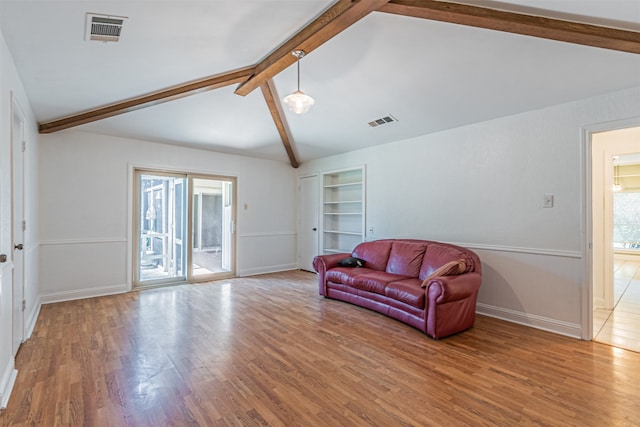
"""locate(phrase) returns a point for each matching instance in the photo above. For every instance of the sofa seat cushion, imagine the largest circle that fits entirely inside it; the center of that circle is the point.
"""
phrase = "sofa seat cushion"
(345, 275)
(408, 291)
(375, 281)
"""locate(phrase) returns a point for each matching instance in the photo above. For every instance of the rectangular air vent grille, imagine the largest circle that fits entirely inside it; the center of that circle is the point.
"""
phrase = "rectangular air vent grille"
(382, 121)
(104, 28)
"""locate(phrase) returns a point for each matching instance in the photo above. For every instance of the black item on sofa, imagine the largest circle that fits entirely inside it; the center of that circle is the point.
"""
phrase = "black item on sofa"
(352, 262)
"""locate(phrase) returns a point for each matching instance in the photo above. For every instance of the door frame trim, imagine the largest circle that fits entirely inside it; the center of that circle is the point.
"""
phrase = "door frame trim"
(132, 202)
(586, 226)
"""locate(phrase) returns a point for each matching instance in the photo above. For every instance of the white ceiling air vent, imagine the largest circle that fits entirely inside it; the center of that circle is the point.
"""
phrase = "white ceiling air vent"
(104, 28)
(382, 121)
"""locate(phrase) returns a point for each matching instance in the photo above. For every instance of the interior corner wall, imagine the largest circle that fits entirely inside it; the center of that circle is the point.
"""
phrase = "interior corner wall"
(86, 209)
(482, 186)
(12, 90)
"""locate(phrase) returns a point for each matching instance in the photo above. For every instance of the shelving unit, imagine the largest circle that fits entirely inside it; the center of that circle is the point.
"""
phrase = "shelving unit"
(343, 210)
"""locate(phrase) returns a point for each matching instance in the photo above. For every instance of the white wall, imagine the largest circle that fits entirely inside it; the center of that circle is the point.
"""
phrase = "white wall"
(86, 209)
(482, 186)
(10, 83)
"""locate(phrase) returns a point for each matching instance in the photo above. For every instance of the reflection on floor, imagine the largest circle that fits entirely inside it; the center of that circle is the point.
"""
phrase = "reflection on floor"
(621, 326)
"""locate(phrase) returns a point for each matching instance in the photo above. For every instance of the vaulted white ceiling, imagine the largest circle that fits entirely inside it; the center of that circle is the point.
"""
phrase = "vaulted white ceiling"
(430, 75)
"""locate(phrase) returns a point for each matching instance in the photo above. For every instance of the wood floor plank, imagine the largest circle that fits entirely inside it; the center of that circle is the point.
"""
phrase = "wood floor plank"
(269, 351)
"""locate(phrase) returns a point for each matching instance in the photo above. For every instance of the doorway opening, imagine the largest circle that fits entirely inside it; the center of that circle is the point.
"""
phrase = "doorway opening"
(615, 233)
(184, 228)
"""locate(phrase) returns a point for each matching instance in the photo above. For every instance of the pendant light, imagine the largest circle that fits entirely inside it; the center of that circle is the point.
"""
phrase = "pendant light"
(298, 102)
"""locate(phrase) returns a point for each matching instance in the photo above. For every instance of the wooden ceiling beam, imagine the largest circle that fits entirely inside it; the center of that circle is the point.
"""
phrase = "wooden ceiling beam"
(275, 108)
(148, 100)
(529, 25)
(333, 21)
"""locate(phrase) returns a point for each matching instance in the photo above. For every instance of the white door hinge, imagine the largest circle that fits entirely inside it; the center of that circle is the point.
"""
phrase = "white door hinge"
(24, 146)
(24, 225)
(24, 305)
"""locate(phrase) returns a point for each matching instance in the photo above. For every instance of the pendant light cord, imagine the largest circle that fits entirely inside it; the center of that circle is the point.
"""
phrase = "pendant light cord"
(298, 61)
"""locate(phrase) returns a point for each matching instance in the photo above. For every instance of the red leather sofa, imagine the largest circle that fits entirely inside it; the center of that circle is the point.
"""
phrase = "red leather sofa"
(392, 278)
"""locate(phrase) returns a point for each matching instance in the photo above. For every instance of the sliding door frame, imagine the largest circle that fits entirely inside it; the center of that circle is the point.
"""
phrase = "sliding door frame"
(136, 282)
(135, 172)
(234, 191)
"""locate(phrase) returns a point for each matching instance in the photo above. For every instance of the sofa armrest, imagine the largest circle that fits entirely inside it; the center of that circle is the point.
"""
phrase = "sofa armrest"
(322, 264)
(444, 289)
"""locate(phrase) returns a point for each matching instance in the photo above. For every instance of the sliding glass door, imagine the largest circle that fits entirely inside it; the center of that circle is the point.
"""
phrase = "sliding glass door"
(184, 228)
(161, 227)
(212, 227)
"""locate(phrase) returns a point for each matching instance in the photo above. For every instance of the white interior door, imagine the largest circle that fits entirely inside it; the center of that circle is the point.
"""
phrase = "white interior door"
(602, 202)
(307, 221)
(17, 144)
(607, 256)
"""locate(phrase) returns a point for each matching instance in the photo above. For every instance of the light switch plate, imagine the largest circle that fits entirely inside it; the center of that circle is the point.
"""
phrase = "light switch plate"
(547, 201)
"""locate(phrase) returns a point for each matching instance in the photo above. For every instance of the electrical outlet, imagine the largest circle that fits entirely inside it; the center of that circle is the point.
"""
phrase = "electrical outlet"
(547, 201)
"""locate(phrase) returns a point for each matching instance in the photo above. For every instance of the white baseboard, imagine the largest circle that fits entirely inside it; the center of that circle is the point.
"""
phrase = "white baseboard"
(6, 383)
(573, 330)
(626, 256)
(83, 293)
(267, 269)
(598, 303)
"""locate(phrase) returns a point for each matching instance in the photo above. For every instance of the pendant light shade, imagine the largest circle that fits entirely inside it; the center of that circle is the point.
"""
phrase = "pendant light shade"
(298, 101)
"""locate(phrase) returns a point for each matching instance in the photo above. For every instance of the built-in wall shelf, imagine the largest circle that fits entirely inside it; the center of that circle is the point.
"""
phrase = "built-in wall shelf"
(349, 233)
(343, 210)
(336, 251)
(355, 184)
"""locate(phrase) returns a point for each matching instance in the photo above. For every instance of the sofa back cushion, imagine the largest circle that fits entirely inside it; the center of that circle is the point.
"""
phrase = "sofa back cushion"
(406, 258)
(376, 253)
(438, 254)
(413, 258)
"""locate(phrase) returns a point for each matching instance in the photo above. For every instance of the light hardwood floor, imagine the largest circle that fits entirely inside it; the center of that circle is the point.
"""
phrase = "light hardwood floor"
(268, 350)
(621, 326)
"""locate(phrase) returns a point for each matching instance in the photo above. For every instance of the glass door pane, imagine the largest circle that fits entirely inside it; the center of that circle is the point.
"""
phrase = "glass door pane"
(161, 228)
(212, 228)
